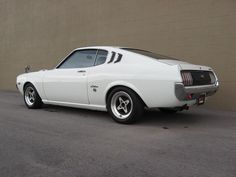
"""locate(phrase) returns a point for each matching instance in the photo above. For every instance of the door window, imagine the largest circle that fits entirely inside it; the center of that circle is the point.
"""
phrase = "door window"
(80, 59)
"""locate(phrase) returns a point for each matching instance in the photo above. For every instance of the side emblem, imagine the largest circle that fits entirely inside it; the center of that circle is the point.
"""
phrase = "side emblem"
(94, 87)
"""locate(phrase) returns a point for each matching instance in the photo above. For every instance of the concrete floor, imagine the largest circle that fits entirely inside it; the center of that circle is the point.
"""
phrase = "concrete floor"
(67, 142)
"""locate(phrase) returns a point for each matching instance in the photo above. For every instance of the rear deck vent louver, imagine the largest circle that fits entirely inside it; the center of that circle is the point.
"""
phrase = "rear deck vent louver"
(118, 58)
(112, 57)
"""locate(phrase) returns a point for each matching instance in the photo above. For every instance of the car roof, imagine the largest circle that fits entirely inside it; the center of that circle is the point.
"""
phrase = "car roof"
(99, 47)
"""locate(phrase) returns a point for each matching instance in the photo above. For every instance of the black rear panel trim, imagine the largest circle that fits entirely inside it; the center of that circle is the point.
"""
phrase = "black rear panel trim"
(200, 77)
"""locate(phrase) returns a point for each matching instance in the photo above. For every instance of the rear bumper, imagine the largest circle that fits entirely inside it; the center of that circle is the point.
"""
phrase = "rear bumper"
(193, 92)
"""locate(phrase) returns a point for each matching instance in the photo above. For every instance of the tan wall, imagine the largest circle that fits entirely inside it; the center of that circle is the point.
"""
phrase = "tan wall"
(42, 32)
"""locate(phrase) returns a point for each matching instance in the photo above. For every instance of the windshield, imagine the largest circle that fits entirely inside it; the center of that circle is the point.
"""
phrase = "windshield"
(149, 54)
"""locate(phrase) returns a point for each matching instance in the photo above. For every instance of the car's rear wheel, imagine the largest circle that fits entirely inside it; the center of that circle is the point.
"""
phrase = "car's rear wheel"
(31, 97)
(124, 105)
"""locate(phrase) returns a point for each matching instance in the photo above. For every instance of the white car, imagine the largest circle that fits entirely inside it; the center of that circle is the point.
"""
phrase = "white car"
(122, 81)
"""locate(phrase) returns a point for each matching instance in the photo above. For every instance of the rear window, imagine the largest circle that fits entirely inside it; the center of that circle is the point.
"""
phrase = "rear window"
(149, 54)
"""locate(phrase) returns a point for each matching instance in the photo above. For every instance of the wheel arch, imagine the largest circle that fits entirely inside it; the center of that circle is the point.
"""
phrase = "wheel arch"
(27, 82)
(129, 86)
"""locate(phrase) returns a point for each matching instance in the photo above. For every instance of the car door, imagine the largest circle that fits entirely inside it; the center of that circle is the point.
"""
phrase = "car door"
(98, 78)
(68, 81)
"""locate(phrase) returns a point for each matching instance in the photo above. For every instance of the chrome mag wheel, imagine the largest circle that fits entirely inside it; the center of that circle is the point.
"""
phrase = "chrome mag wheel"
(30, 96)
(121, 105)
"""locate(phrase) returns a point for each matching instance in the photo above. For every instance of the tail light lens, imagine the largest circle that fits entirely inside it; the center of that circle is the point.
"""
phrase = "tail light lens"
(212, 76)
(187, 78)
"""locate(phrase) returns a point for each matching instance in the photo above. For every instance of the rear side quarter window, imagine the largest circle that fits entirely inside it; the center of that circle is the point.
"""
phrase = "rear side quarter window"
(101, 57)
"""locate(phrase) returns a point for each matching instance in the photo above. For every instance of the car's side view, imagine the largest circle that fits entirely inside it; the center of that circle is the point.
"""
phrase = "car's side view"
(122, 81)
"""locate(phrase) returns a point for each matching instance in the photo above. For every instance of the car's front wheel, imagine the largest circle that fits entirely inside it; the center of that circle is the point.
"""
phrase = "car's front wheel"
(124, 105)
(31, 97)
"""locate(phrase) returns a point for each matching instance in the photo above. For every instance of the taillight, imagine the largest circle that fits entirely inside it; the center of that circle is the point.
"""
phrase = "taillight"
(187, 78)
(212, 76)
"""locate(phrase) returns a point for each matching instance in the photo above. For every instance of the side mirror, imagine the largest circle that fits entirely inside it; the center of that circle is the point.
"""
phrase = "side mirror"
(27, 69)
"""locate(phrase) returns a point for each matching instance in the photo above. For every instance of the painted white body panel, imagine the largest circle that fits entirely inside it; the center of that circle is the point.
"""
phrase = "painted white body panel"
(153, 80)
(65, 85)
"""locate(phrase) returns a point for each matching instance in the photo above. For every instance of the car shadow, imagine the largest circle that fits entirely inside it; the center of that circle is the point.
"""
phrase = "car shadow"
(75, 111)
(149, 118)
(183, 118)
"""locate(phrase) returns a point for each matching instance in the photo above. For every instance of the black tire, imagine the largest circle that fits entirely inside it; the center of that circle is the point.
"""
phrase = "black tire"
(114, 105)
(33, 100)
(169, 110)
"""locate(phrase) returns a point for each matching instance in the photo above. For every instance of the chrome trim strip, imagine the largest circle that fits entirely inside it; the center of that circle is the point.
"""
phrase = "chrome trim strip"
(76, 105)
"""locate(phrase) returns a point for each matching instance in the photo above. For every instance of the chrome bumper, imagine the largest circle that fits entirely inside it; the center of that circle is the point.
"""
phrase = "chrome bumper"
(193, 92)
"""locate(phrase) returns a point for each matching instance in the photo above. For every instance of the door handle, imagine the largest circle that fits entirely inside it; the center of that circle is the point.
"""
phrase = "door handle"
(81, 71)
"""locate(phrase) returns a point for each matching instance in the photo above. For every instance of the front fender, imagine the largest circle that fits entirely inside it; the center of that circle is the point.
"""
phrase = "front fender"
(35, 78)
